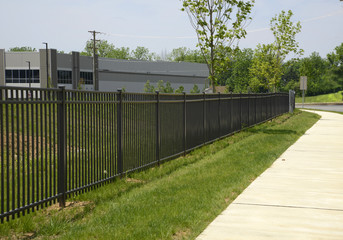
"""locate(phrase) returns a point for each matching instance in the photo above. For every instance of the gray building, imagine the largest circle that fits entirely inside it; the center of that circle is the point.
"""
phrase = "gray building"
(76, 72)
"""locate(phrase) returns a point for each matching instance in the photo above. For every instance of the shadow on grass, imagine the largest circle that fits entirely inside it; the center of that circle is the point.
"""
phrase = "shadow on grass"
(272, 131)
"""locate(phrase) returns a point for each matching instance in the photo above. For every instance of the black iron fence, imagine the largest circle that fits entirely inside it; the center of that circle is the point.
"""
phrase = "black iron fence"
(55, 142)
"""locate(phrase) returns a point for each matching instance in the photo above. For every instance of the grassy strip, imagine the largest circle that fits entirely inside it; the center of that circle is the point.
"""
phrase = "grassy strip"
(319, 110)
(174, 201)
(326, 98)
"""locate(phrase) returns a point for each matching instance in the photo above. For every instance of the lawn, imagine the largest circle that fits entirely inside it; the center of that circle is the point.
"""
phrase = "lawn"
(174, 201)
(326, 98)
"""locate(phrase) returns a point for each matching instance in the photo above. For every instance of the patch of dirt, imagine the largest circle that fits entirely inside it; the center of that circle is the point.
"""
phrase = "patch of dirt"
(14, 140)
(181, 234)
(69, 205)
(233, 195)
(133, 180)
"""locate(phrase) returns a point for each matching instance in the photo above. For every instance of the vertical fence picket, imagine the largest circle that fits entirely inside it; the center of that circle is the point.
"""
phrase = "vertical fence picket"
(61, 135)
(158, 137)
(120, 132)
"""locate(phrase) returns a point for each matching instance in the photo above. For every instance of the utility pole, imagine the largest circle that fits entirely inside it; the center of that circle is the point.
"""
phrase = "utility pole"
(95, 61)
(47, 64)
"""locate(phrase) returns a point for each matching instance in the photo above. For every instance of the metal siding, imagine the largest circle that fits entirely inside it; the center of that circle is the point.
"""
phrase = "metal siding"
(2, 67)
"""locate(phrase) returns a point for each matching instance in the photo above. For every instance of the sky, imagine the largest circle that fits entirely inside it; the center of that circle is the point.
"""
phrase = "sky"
(159, 25)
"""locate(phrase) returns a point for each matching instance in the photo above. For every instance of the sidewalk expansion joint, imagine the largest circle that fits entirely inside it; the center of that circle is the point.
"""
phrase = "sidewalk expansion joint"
(289, 206)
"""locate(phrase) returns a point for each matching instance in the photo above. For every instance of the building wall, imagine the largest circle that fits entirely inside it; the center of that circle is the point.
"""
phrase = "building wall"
(2, 67)
(113, 73)
(19, 60)
(134, 82)
(132, 75)
(16, 60)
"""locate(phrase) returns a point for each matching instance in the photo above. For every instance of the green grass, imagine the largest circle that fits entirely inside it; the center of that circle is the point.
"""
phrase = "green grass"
(174, 201)
(310, 109)
(326, 98)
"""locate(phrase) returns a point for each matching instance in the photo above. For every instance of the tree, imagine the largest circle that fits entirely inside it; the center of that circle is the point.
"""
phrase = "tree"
(265, 70)
(270, 72)
(106, 50)
(23, 49)
(143, 53)
(218, 24)
(168, 88)
(319, 79)
(237, 78)
(148, 88)
(195, 89)
(181, 89)
(336, 64)
(291, 76)
(183, 54)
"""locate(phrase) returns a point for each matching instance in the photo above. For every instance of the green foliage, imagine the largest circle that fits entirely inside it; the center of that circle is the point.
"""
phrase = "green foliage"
(323, 74)
(336, 64)
(184, 54)
(143, 53)
(321, 77)
(23, 49)
(148, 88)
(237, 78)
(106, 50)
(218, 24)
(181, 89)
(80, 84)
(168, 88)
(267, 68)
(284, 31)
(195, 89)
(160, 86)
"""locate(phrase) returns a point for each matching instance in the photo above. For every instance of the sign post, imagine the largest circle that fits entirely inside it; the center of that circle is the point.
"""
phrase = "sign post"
(303, 86)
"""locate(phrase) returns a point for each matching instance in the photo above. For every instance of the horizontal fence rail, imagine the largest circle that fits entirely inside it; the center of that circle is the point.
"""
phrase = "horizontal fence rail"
(56, 143)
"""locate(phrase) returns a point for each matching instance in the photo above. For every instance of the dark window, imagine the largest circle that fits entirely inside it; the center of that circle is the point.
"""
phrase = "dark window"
(36, 74)
(22, 76)
(64, 77)
(15, 73)
(8, 76)
(86, 78)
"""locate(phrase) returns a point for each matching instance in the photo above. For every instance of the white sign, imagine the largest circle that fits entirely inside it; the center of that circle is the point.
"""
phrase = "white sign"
(303, 83)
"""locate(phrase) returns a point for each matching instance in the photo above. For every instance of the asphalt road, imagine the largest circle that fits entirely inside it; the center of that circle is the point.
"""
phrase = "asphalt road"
(336, 108)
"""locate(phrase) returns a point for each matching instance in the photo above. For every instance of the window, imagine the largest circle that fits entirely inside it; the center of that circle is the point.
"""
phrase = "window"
(64, 77)
(86, 78)
(8, 76)
(21, 76)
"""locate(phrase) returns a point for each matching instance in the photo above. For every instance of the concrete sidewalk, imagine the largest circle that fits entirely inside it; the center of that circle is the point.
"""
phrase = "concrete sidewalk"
(299, 197)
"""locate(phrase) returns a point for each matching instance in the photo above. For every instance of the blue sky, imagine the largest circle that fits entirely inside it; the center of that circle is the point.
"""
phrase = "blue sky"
(156, 24)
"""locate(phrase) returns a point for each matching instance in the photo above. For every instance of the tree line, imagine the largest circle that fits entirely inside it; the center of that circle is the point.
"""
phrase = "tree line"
(325, 74)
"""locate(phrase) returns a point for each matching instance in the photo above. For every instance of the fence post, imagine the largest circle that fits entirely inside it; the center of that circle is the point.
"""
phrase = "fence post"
(255, 97)
(184, 125)
(204, 116)
(231, 111)
(61, 136)
(219, 114)
(120, 132)
(158, 138)
(240, 110)
(249, 109)
(291, 96)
